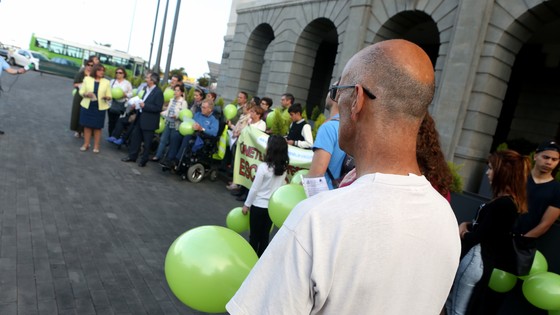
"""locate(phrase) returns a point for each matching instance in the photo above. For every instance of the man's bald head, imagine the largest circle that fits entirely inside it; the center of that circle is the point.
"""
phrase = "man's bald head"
(398, 72)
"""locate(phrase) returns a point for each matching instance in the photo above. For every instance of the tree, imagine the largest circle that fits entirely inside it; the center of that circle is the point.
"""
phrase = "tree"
(202, 81)
(181, 71)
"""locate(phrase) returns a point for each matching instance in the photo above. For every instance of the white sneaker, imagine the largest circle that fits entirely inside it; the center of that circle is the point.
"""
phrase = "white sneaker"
(232, 186)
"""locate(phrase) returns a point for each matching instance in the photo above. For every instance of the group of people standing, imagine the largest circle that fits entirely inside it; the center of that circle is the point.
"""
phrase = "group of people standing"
(386, 213)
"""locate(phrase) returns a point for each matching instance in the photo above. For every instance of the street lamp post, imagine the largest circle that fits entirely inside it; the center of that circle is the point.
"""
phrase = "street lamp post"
(153, 35)
(160, 47)
(171, 42)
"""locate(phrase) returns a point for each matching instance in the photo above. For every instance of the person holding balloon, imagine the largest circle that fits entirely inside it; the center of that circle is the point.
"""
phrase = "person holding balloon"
(270, 175)
(171, 116)
(203, 122)
(121, 91)
(96, 92)
(487, 241)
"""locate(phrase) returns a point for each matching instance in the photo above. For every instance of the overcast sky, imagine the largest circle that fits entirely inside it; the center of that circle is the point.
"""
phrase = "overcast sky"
(199, 37)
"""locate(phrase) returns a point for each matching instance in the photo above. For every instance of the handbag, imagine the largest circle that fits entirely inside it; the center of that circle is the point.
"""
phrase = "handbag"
(117, 108)
(524, 250)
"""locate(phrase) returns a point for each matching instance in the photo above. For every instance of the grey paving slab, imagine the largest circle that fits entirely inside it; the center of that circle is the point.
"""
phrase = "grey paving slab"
(84, 233)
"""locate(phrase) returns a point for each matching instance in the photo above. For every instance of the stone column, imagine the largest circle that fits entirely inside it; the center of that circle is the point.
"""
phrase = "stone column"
(354, 37)
(455, 87)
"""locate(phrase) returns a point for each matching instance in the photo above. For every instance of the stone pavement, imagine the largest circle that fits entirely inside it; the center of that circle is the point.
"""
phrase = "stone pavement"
(84, 233)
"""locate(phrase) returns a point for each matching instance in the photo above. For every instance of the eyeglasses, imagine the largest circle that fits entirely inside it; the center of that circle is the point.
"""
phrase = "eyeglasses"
(334, 88)
(89, 65)
(120, 72)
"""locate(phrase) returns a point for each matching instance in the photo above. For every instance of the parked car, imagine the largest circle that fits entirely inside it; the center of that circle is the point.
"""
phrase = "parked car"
(40, 57)
(22, 57)
(60, 66)
(4, 51)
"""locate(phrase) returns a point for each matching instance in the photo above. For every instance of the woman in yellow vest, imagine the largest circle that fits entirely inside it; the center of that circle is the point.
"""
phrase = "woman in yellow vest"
(96, 91)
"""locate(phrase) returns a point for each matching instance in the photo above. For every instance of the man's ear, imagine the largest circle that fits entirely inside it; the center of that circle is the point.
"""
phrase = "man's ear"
(359, 101)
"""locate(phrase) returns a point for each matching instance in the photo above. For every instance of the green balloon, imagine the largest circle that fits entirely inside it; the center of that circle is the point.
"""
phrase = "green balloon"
(186, 127)
(134, 92)
(554, 312)
(237, 221)
(161, 125)
(141, 94)
(298, 177)
(539, 265)
(74, 91)
(501, 281)
(283, 200)
(205, 266)
(270, 119)
(230, 111)
(168, 95)
(117, 93)
(184, 114)
(543, 290)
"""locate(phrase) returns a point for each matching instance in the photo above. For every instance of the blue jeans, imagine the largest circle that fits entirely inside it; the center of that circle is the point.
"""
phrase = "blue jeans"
(164, 140)
(175, 139)
(468, 274)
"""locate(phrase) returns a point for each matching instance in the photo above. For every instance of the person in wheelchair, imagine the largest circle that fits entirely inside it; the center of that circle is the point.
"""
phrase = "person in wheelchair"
(206, 125)
(123, 127)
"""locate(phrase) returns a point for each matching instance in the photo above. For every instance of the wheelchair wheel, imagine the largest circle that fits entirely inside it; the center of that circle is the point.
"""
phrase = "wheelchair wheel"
(195, 173)
(213, 175)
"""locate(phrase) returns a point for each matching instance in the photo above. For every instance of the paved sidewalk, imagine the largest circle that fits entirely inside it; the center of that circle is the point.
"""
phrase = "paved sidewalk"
(84, 233)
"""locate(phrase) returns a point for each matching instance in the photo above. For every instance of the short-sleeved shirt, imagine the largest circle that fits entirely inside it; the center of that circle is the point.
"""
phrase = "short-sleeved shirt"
(539, 198)
(327, 140)
(3, 65)
(348, 251)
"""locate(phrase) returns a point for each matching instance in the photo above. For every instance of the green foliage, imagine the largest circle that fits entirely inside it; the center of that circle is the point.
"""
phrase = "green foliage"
(203, 81)
(190, 96)
(136, 81)
(280, 123)
(457, 185)
(315, 113)
(318, 122)
(219, 102)
(181, 71)
(502, 147)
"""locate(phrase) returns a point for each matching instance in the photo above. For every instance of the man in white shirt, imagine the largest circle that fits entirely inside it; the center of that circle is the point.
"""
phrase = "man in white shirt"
(299, 134)
(388, 243)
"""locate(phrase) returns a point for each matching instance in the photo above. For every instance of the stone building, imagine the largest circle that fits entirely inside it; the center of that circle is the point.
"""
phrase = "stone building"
(496, 61)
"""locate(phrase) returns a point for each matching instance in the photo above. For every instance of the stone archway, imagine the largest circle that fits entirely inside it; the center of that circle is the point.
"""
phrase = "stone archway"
(531, 107)
(415, 26)
(313, 62)
(510, 27)
(252, 77)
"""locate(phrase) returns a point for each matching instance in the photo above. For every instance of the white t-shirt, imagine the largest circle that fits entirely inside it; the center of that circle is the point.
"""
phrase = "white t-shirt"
(264, 184)
(387, 244)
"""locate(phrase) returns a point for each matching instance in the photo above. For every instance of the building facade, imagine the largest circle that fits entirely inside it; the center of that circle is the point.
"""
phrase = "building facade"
(496, 62)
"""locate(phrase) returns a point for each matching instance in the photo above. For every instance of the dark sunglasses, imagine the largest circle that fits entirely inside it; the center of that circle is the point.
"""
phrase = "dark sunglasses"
(334, 88)
(120, 72)
(89, 65)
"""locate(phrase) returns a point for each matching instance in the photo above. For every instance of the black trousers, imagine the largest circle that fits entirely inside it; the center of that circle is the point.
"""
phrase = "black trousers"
(136, 138)
(113, 118)
(259, 224)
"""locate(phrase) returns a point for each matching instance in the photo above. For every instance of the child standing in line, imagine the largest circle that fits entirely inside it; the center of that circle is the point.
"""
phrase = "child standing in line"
(271, 174)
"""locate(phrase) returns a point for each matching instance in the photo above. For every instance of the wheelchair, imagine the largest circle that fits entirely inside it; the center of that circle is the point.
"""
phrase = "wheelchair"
(194, 166)
(199, 164)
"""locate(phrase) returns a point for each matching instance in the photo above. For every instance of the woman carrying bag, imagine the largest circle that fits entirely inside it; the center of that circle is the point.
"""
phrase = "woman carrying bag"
(118, 105)
(487, 241)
